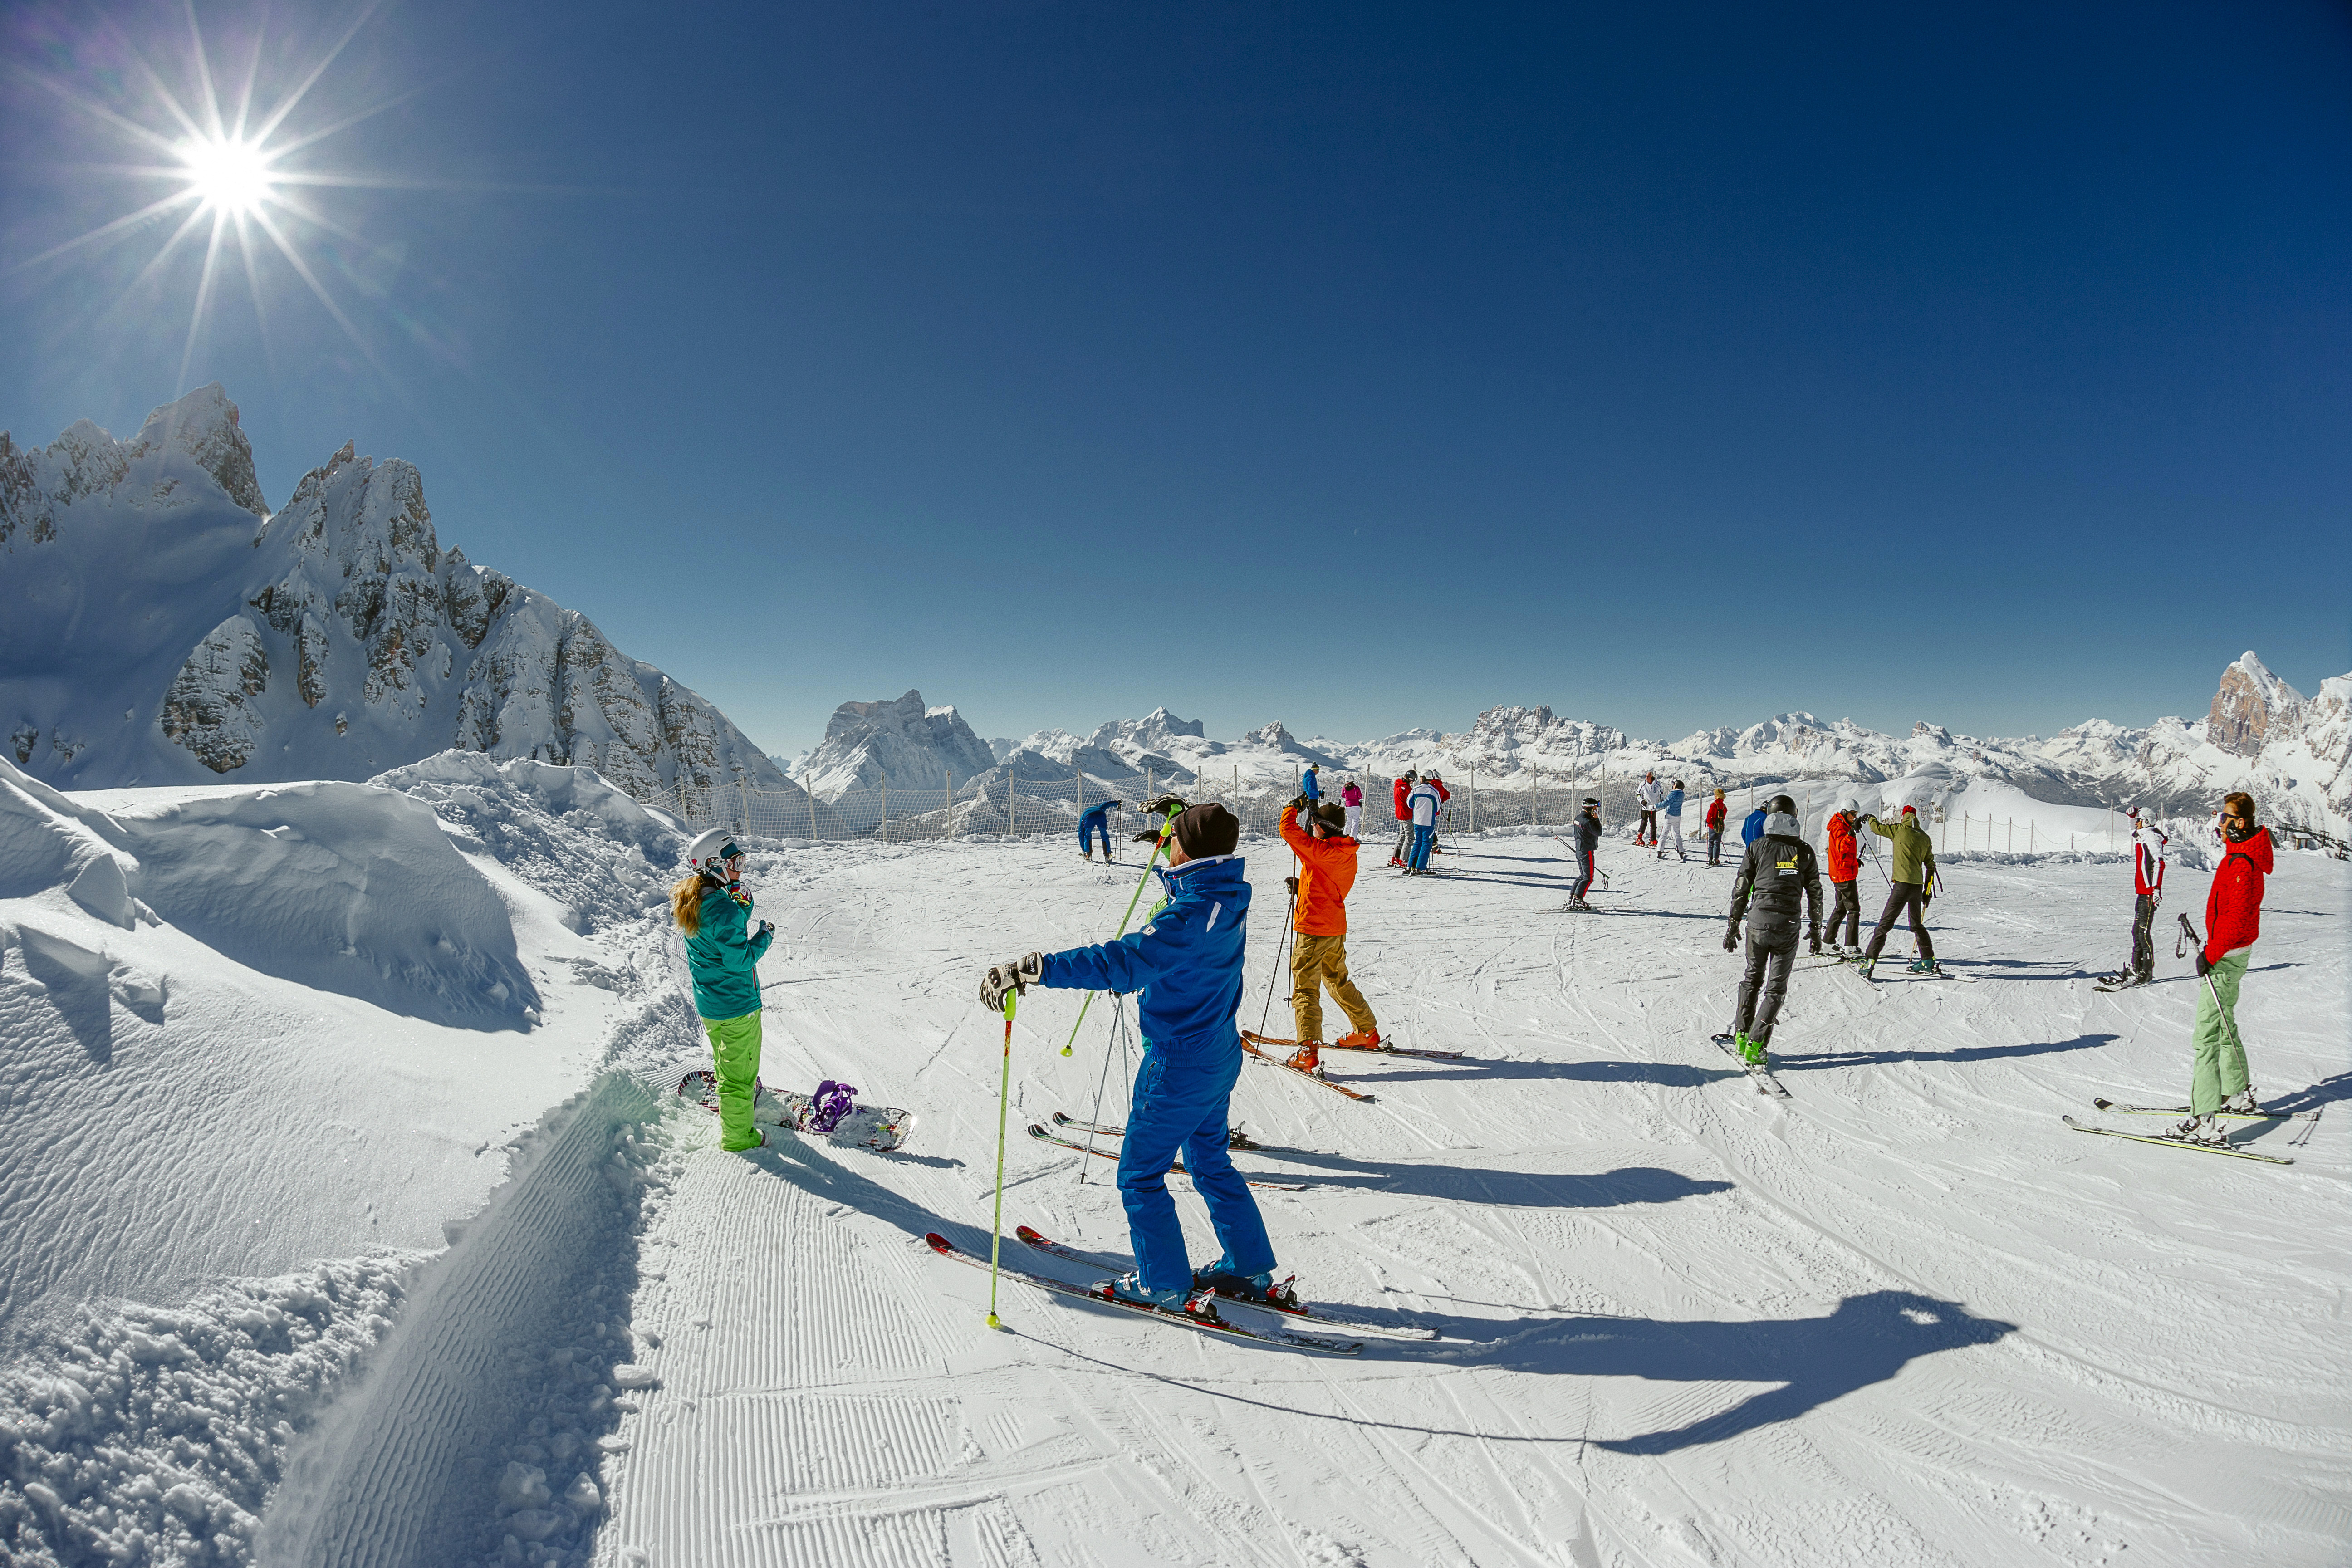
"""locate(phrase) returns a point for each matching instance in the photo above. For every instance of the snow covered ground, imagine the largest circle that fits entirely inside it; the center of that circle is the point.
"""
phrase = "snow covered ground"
(1904, 1318)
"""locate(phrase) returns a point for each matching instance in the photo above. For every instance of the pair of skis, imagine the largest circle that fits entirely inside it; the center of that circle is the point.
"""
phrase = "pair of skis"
(1758, 1074)
(2310, 1120)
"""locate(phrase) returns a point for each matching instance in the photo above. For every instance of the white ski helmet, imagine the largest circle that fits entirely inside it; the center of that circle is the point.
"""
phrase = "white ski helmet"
(710, 853)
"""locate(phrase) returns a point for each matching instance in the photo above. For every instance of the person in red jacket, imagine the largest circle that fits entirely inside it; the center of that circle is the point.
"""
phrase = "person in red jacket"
(2233, 919)
(1845, 858)
(1404, 817)
(1717, 813)
(1327, 869)
(2148, 845)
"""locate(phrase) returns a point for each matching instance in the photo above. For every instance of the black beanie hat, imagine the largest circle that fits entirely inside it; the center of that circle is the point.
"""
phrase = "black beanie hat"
(1334, 819)
(1207, 830)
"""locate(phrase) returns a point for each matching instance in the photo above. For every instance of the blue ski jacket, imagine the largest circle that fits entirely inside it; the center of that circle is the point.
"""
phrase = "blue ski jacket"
(724, 957)
(1753, 828)
(1095, 816)
(1310, 784)
(1186, 963)
(1673, 805)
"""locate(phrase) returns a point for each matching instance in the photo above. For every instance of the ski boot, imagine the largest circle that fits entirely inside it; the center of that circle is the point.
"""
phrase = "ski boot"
(1128, 1288)
(1863, 966)
(1750, 1051)
(2242, 1103)
(1237, 1138)
(1924, 966)
(1221, 1278)
(1359, 1040)
(1308, 1059)
(2205, 1130)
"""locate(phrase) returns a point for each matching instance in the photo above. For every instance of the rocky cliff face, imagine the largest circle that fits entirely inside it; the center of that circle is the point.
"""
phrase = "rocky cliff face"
(903, 742)
(157, 623)
(2252, 707)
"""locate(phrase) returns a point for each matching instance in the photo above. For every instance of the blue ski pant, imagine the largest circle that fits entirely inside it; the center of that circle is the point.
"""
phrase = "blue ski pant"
(1087, 829)
(1182, 1095)
(1421, 840)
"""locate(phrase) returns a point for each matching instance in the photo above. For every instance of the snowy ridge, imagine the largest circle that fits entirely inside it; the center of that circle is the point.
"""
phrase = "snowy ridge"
(244, 1028)
(157, 625)
(905, 742)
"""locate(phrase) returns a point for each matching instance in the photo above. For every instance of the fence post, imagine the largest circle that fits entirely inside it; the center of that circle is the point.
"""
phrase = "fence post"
(743, 805)
(885, 809)
(1012, 807)
(812, 805)
(1474, 800)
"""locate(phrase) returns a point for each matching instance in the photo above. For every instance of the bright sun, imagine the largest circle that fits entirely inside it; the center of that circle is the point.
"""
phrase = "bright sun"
(227, 175)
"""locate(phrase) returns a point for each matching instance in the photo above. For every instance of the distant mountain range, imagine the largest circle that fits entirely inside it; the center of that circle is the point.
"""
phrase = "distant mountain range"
(159, 624)
(2293, 753)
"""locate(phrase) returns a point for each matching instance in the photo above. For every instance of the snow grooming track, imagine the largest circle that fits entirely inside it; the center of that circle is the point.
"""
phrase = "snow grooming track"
(480, 1416)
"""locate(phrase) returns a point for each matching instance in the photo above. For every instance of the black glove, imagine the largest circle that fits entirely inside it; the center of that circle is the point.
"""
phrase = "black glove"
(1731, 938)
(1292, 883)
(1813, 935)
(1015, 977)
(1165, 805)
(1149, 836)
(2204, 965)
(1299, 802)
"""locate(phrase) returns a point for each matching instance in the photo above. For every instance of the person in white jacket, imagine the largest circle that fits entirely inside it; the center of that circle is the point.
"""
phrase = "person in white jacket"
(1650, 793)
(1421, 801)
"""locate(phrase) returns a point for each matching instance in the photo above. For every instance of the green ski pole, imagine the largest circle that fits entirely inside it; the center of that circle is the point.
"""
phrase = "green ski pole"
(1003, 1100)
(1159, 844)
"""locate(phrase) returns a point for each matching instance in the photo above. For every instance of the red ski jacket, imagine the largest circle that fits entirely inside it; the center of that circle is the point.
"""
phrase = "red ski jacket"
(2147, 865)
(1443, 795)
(1715, 816)
(2233, 909)
(1401, 814)
(1844, 855)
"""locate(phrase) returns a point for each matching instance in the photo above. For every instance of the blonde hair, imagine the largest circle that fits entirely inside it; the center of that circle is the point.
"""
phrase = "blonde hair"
(686, 903)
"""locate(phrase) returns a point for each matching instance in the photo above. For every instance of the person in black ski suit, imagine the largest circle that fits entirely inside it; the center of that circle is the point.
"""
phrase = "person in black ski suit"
(1584, 837)
(1778, 875)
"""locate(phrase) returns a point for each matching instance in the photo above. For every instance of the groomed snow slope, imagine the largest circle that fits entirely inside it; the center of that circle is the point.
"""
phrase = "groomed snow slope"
(1904, 1318)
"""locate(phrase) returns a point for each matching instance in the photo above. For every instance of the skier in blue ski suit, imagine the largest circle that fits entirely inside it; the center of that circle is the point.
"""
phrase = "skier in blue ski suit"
(1753, 828)
(1310, 784)
(1186, 965)
(1095, 819)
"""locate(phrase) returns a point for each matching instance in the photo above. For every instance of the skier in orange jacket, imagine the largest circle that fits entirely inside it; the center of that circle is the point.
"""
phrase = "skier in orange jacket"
(1327, 870)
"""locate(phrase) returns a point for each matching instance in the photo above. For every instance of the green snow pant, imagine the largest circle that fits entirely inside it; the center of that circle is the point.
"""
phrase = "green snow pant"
(2220, 1069)
(735, 1062)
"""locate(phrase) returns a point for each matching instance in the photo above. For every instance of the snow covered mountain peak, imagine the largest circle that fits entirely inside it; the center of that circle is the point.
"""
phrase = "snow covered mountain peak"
(151, 631)
(2250, 706)
(901, 742)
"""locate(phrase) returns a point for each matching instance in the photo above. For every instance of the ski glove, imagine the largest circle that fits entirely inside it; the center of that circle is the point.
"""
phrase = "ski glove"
(767, 927)
(2204, 965)
(1166, 804)
(1731, 938)
(1299, 802)
(1292, 883)
(1015, 977)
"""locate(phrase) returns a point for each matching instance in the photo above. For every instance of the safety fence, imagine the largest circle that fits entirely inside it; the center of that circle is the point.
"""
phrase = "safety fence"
(995, 807)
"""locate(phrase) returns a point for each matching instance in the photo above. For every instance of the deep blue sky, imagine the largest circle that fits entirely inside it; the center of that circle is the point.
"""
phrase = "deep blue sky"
(1357, 366)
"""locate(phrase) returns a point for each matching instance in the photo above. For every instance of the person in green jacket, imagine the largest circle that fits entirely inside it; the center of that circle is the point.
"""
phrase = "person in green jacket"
(1915, 869)
(722, 953)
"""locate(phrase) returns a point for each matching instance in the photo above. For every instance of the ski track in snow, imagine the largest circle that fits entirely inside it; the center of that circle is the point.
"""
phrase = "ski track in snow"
(1905, 1317)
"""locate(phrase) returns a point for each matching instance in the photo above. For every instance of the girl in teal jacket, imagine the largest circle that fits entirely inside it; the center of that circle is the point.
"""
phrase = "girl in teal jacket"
(722, 953)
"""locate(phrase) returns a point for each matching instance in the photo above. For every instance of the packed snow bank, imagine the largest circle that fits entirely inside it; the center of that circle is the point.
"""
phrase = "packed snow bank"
(283, 1042)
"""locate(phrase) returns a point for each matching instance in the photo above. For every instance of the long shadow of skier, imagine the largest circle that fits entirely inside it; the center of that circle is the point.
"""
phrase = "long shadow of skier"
(1662, 1075)
(1801, 1062)
(1817, 1360)
(1515, 1189)
(1866, 1340)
